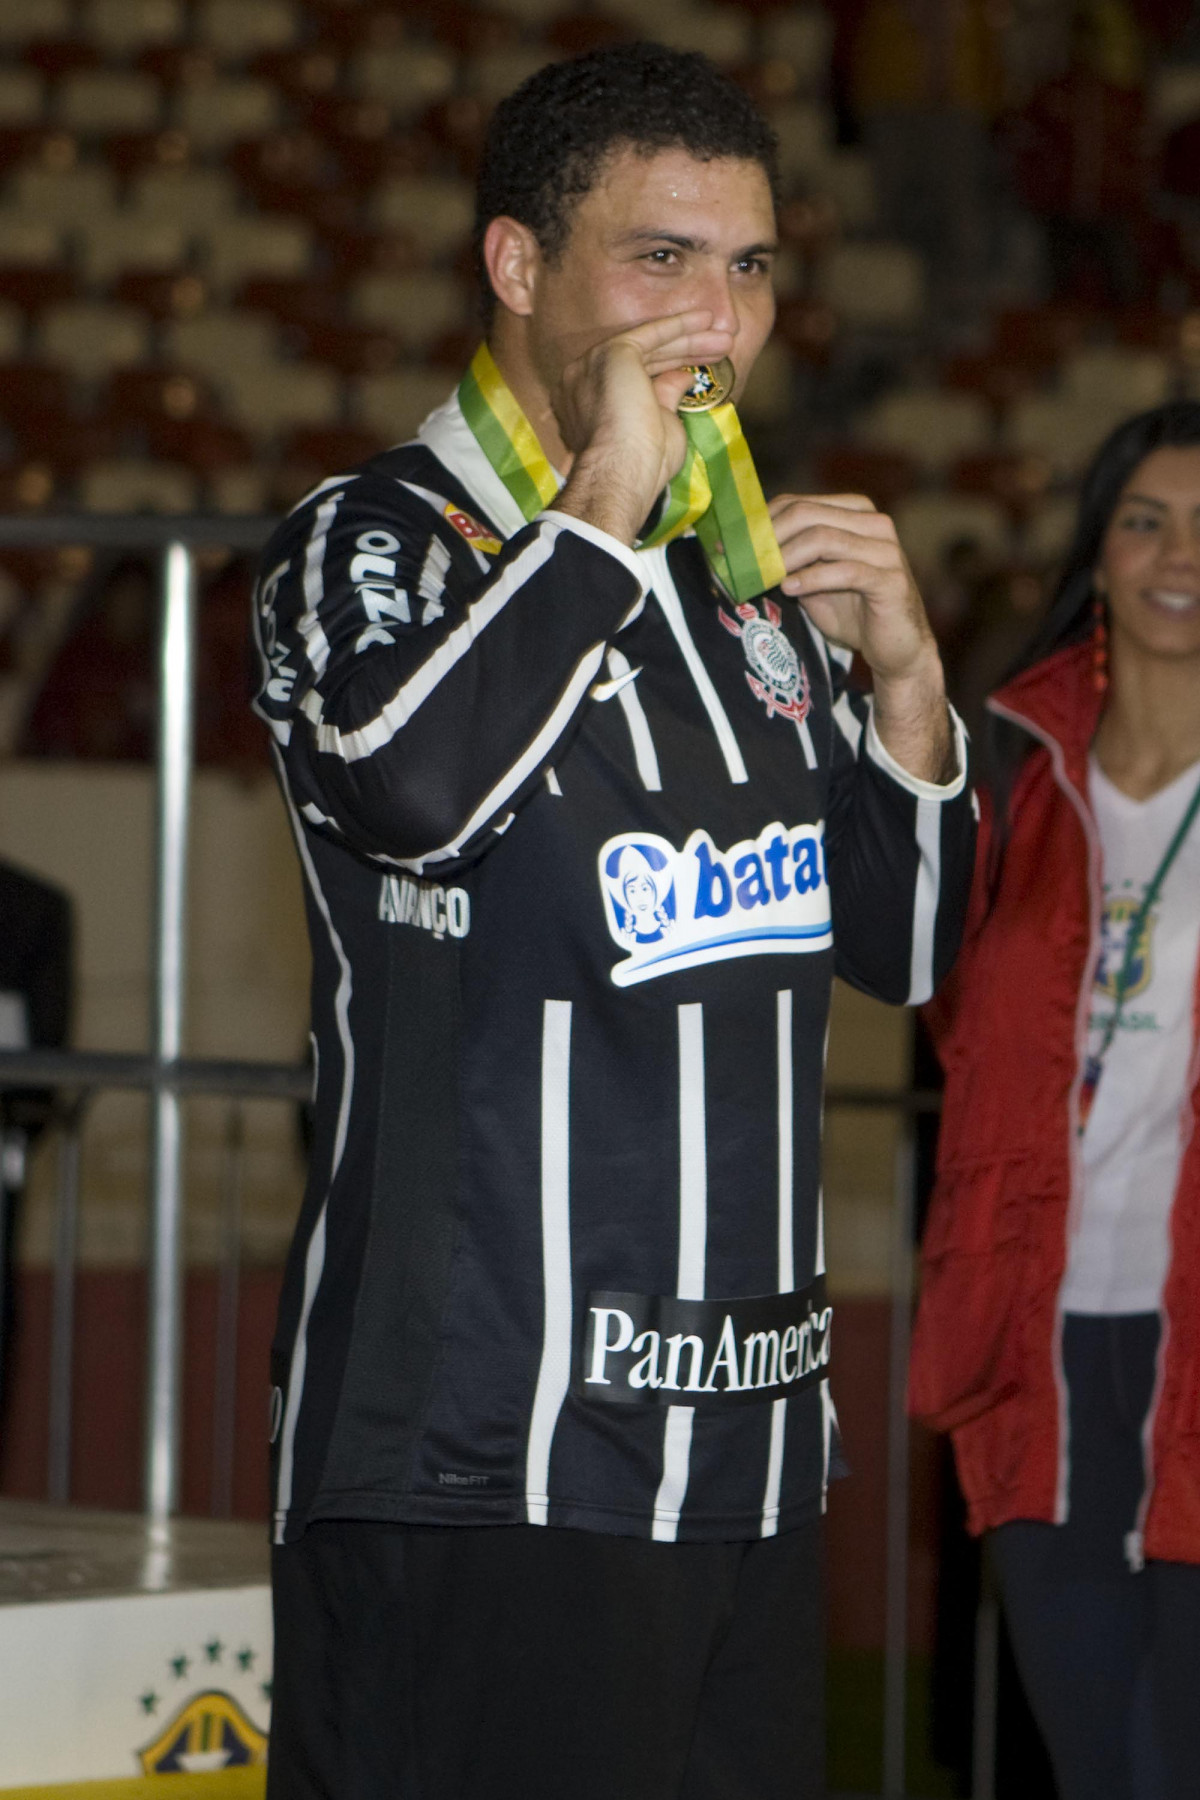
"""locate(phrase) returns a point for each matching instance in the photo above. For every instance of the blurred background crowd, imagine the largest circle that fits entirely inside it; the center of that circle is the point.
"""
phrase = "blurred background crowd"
(234, 254)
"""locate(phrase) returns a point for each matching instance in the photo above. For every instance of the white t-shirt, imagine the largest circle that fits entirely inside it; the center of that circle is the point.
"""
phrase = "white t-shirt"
(1133, 1141)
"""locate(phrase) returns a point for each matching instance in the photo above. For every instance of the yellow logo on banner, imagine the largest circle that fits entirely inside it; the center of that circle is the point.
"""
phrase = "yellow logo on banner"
(210, 1732)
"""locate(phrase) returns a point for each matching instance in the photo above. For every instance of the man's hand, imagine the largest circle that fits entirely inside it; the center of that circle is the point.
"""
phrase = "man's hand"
(846, 568)
(616, 408)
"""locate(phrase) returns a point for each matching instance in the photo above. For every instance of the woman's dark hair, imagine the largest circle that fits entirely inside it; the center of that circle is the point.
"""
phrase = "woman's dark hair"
(547, 142)
(1069, 617)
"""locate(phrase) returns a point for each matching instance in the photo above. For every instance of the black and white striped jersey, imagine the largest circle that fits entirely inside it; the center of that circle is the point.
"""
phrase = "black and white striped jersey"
(584, 843)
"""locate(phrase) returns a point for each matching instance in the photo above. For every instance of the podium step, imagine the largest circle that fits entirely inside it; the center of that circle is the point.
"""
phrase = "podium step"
(129, 1651)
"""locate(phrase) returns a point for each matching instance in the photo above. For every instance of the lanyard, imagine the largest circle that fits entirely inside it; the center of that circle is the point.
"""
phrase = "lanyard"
(1094, 1066)
(716, 492)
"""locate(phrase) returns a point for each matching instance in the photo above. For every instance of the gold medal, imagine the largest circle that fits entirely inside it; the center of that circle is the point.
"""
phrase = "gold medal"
(713, 383)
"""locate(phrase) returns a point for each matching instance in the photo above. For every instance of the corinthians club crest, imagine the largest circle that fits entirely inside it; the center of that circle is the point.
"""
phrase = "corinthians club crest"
(776, 675)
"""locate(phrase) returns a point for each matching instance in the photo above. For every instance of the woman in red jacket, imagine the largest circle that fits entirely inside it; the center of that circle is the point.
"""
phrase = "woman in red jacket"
(1058, 1333)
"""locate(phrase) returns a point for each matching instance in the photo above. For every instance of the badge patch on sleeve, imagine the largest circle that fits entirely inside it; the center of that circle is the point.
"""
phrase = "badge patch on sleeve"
(477, 535)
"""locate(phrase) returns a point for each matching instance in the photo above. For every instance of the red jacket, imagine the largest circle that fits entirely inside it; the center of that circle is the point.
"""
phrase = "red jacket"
(1010, 1027)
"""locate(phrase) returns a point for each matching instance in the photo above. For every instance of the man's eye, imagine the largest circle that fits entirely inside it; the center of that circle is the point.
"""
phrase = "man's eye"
(1140, 522)
(662, 256)
(753, 265)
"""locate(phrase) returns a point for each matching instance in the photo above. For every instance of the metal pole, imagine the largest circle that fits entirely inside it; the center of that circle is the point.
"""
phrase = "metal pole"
(62, 1327)
(896, 1616)
(225, 1382)
(161, 1480)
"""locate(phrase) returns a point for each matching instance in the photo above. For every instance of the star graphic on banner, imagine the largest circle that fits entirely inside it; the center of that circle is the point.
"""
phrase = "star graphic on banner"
(265, 1689)
(148, 1701)
(213, 1650)
(180, 1666)
(246, 1658)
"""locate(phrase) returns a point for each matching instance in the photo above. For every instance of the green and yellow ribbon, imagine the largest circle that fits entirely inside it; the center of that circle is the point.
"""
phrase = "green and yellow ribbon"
(716, 493)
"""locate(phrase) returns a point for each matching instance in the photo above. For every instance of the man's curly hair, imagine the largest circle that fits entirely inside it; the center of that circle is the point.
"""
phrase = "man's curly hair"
(548, 141)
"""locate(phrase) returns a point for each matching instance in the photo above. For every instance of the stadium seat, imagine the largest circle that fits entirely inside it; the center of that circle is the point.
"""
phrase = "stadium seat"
(494, 74)
(213, 343)
(127, 485)
(190, 197)
(458, 126)
(12, 331)
(29, 242)
(205, 445)
(300, 72)
(91, 338)
(1038, 335)
(97, 101)
(874, 286)
(120, 27)
(1015, 482)
(394, 405)
(33, 286)
(932, 426)
(770, 392)
(129, 153)
(1131, 380)
(1063, 430)
(329, 449)
(27, 20)
(22, 95)
(350, 349)
(237, 28)
(847, 179)
(574, 34)
(722, 33)
(805, 132)
(56, 57)
(928, 524)
(217, 114)
(803, 37)
(406, 79)
(245, 488)
(31, 391)
(67, 441)
(435, 213)
(265, 399)
(236, 249)
(291, 171)
(882, 475)
(110, 246)
(999, 379)
(418, 307)
(808, 327)
(64, 197)
(171, 296)
(1050, 529)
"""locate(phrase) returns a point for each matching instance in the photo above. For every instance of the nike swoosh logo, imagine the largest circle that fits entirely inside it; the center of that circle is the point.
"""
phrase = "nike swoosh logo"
(604, 690)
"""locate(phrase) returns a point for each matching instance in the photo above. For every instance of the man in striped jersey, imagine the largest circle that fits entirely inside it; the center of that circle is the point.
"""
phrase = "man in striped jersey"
(589, 817)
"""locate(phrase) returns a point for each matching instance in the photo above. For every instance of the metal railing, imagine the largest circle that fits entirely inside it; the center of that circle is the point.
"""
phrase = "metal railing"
(168, 1078)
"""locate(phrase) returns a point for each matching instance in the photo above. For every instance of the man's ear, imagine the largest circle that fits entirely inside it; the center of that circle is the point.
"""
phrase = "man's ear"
(514, 260)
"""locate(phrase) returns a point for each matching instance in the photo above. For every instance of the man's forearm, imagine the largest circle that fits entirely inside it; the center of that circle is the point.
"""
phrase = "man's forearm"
(913, 721)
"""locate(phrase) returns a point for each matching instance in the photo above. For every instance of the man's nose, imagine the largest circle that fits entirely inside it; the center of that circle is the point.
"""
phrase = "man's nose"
(715, 293)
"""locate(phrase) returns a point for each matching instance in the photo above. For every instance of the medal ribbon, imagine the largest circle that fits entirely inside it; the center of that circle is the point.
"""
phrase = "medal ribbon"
(1093, 1068)
(716, 492)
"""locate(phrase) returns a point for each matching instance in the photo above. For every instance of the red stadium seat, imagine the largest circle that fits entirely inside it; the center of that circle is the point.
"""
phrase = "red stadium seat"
(1019, 483)
(206, 445)
(149, 394)
(576, 33)
(30, 392)
(170, 296)
(58, 56)
(32, 288)
(300, 72)
(284, 173)
(1000, 379)
(1038, 335)
(131, 152)
(351, 349)
(324, 450)
(882, 475)
(808, 327)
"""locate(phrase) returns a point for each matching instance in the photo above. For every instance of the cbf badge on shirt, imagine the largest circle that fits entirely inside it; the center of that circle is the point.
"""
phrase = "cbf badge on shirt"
(674, 909)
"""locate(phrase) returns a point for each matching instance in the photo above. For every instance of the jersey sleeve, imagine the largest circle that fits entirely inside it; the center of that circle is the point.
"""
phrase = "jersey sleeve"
(417, 688)
(900, 854)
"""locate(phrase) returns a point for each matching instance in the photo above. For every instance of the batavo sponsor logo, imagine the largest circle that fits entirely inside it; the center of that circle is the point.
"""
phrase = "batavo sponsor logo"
(652, 1349)
(425, 904)
(675, 909)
